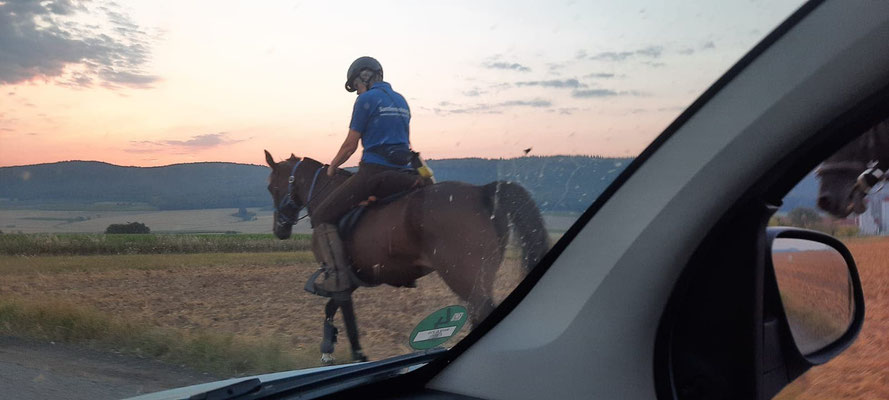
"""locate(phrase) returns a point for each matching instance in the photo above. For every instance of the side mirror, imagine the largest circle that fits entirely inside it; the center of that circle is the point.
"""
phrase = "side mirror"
(813, 303)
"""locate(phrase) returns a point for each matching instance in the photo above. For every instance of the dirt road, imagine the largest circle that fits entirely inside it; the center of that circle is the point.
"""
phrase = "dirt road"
(40, 370)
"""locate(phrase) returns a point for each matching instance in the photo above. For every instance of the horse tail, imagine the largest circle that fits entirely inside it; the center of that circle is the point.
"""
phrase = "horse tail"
(511, 206)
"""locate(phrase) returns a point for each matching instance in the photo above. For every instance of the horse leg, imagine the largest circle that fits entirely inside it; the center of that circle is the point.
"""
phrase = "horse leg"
(472, 279)
(352, 328)
(328, 341)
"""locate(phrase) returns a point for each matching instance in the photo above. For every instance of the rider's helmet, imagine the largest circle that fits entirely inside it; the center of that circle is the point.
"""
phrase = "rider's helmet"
(361, 64)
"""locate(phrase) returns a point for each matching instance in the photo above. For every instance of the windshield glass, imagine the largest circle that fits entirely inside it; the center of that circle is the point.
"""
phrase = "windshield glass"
(166, 195)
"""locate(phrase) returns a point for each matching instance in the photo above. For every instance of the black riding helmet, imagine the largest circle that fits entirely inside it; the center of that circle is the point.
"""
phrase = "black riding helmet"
(361, 64)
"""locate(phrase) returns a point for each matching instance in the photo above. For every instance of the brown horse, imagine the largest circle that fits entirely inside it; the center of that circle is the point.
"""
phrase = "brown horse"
(458, 230)
(848, 175)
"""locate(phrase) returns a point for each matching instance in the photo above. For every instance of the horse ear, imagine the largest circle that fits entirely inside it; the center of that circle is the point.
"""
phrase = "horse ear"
(269, 159)
(293, 157)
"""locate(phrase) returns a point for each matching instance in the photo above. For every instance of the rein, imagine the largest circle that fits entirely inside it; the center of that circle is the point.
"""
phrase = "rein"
(288, 203)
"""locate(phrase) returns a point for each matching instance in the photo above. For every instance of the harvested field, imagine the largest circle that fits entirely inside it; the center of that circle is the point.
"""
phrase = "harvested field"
(259, 295)
(860, 372)
(262, 299)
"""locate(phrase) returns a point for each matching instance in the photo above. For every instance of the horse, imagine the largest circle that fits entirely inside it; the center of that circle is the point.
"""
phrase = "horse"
(457, 230)
(848, 175)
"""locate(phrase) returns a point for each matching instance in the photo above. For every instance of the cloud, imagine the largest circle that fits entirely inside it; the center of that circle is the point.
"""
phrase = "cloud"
(599, 75)
(687, 51)
(44, 40)
(198, 142)
(599, 93)
(555, 83)
(648, 52)
(201, 141)
(565, 110)
(593, 93)
(529, 103)
(506, 65)
(488, 108)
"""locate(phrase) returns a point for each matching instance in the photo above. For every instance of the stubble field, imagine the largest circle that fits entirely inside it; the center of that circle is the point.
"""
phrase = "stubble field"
(254, 297)
(859, 372)
(258, 297)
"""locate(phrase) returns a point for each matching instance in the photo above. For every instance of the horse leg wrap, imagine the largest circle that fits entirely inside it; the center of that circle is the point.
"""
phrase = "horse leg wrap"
(329, 341)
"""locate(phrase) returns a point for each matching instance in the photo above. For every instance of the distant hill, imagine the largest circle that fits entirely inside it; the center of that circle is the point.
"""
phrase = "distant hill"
(180, 186)
(558, 183)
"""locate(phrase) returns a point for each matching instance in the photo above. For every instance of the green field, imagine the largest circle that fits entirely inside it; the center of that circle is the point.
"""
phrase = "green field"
(221, 220)
(85, 244)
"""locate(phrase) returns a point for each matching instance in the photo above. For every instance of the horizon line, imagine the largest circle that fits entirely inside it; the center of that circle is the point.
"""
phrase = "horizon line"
(351, 166)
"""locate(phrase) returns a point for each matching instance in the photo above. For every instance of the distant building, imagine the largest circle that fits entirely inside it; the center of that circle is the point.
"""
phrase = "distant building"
(871, 222)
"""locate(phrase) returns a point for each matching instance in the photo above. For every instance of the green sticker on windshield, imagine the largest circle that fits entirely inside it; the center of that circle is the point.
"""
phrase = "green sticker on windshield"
(438, 327)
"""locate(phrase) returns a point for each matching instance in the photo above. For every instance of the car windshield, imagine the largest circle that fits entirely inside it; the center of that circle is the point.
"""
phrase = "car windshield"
(167, 208)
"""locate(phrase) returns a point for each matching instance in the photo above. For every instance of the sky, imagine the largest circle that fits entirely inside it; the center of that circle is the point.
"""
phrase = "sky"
(159, 82)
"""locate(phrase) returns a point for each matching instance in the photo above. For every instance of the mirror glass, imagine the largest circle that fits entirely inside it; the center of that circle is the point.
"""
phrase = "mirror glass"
(816, 291)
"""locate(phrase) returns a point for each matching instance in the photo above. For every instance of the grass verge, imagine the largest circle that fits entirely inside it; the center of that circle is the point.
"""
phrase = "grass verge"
(217, 353)
(89, 244)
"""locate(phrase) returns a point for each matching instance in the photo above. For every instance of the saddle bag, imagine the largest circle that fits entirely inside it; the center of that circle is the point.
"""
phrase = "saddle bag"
(396, 154)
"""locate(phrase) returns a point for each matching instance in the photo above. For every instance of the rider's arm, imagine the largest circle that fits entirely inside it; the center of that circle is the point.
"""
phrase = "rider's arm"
(346, 150)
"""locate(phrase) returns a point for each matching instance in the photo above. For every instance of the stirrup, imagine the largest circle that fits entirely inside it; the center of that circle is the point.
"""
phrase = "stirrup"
(314, 289)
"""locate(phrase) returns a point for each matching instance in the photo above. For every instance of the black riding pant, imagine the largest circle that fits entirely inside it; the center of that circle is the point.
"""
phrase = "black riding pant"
(371, 180)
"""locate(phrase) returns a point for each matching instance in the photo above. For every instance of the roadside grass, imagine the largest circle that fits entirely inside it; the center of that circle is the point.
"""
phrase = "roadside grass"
(205, 351)
(85, 244)
(18, 265)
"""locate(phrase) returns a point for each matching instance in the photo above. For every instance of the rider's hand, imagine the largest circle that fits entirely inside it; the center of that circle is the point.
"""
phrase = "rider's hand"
(331, 171)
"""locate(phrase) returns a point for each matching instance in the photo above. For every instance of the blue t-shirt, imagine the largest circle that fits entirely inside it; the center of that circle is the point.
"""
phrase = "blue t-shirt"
(382, 117)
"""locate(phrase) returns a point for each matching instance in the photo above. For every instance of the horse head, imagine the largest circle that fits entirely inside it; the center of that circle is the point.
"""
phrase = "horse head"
(285, 194)
(847, 176)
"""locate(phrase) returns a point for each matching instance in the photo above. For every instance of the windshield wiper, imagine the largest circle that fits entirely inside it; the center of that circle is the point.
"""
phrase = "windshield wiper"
(322, 383)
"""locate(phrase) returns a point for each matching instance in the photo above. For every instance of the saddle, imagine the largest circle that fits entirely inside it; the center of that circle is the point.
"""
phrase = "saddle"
(347, 223)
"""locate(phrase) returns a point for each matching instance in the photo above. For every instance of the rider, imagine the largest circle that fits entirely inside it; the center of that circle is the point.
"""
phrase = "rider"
(380, 121)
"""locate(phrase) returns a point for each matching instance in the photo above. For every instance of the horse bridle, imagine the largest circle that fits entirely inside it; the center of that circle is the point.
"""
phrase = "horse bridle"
(871, 176)
(288, 204)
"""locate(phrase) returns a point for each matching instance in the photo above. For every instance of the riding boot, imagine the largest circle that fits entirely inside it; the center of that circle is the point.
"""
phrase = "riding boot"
(331, 252)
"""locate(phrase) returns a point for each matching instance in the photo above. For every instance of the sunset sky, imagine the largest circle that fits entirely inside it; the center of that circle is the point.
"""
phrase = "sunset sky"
(157, 82)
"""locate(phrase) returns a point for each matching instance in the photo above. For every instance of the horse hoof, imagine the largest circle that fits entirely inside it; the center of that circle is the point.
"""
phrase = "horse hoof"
(327, 358)
(359, 356)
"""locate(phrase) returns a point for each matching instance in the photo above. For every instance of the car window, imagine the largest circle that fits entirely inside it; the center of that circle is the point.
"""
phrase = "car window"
(844, 197)
(165, 199)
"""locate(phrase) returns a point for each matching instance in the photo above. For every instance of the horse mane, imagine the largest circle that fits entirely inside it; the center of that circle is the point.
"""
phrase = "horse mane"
(317, 164)
(872, 145)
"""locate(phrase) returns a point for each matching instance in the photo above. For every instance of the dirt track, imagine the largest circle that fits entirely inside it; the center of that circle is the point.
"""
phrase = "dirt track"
(39, 370)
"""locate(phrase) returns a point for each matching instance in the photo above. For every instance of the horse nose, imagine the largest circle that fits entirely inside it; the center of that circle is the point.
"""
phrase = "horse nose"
(825, 203)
